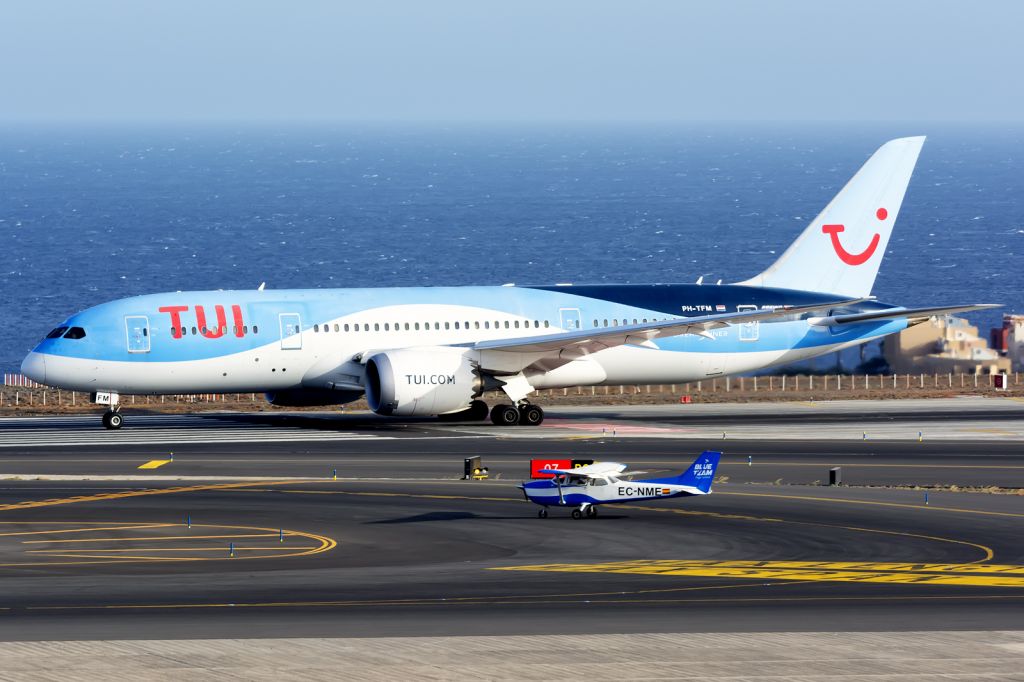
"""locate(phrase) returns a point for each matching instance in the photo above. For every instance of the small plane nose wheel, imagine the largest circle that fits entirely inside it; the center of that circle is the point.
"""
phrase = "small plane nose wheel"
(542, 514)
(112, 420)
(591, 512)
(577, 514)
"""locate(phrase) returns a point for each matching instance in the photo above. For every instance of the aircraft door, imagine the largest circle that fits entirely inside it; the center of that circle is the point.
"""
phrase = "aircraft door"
(569, 318)
(749, 331)
(137, 329)
(291, 331)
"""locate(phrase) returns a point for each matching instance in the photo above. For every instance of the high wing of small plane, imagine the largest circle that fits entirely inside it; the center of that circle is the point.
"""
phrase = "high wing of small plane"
(586, 487)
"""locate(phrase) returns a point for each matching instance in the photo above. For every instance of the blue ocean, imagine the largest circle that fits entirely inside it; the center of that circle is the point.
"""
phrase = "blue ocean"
(93, 214)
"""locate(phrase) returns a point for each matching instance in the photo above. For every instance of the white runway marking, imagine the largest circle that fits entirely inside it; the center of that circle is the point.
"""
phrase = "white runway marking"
(159, 430)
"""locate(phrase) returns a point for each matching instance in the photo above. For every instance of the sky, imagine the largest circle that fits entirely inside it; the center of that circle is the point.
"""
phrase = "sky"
(522, 61)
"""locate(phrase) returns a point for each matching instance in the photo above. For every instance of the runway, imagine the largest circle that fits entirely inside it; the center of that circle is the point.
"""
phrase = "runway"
(374, 535)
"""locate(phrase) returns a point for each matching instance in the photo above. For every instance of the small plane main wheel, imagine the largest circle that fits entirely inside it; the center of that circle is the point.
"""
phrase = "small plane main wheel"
(591, 512)
(543, 514)
(505, 415)
(530, 415)
(112, 420)
(577, 514)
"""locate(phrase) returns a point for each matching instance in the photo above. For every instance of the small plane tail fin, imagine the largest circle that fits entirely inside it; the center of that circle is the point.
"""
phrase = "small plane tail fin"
(840, 251)
(701, 472)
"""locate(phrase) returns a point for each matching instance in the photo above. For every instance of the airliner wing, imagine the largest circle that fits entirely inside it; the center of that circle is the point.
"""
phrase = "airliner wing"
(894, 313)
(577, 343)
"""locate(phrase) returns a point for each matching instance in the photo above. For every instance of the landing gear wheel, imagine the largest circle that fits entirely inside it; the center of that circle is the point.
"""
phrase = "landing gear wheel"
(591, 512)
(478, 410)
(542, 514)
(530, 415)
(577, 514)
(112, 420)
(505, 415)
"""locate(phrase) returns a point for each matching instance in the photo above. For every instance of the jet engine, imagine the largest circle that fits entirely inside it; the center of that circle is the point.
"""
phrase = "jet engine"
(422, 381)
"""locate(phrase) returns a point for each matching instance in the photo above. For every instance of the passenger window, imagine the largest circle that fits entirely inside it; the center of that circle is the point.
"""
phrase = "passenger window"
(245, 329)
(417, 326)
(476, 325)
(406, 326)
(316, 327)
(456, 325)
(145, 331)
(255, 329)
(517, 324)
(487, 324)
(387, 327)
(446, 325)
(506, 324)
(437, 325)
(194, 331)
(376, 326)
(606, 323)
(466, 325)
(336, 327)
(546, 325)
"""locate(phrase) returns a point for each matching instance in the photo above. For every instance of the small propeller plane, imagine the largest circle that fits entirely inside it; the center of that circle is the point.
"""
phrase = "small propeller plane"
(603, 483)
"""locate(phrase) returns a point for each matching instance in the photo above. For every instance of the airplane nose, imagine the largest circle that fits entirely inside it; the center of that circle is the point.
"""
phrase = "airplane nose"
(34, 367)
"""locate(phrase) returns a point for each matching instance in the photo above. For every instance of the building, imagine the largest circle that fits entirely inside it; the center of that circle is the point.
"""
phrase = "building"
(1009, 339)
(942, 345)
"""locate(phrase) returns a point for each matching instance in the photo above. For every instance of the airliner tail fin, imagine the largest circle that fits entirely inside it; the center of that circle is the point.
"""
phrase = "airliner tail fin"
(841, 249)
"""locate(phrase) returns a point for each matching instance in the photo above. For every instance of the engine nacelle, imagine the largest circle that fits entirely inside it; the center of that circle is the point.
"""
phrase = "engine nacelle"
(421, 381)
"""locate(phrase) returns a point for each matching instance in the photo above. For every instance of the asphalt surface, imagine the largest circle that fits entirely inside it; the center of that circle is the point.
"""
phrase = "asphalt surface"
(398, 546)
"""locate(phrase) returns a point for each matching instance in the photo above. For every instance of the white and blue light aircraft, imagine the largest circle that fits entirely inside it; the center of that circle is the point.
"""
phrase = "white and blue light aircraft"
(586, 487)
(435, 351)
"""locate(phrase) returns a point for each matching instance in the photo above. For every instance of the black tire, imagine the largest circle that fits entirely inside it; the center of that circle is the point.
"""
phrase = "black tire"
(505, 415)
(591, 512)
(577, 514)
(530, 415)
(112, 420)
(542, 514)
(478, 410)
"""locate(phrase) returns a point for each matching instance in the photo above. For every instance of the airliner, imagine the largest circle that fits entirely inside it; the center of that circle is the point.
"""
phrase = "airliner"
(435, 351)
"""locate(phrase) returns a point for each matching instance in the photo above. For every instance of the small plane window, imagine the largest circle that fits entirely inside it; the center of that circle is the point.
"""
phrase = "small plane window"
(606, 323)
(546, 325)
(316, 327)
(255, 329)
(416, 326)
(345, 327)
(223, 330)
(447, 325)
(203, 330)
(437, 325)
(598, 481)
(456, 325)
(145, 331)
(506, 324)
(57, 333)
(387, 327)
(406, 326)
(194, 331)
(634, 321)
(645, 320)
(517, 324)
(476, 325)
(376, 326)
(467, 324)
(245, 329)
(75, 333)
(337, 327)
(366, 326)
(595, 323)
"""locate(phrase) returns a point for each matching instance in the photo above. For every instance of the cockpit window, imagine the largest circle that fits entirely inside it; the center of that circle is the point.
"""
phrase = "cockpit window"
(75, 333)
(57, 333)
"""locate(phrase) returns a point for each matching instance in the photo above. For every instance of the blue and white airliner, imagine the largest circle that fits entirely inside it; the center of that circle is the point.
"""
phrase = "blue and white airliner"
(437, 350)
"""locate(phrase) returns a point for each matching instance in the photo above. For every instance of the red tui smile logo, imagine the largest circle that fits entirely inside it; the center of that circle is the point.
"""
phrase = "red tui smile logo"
(854, 258)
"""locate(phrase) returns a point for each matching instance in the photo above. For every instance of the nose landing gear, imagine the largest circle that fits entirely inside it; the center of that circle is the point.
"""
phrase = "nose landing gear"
(112, 419)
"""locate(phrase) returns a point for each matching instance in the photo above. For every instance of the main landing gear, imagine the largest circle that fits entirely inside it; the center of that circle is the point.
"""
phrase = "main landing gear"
(112, 419)
(510, 415)
(588, 510)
